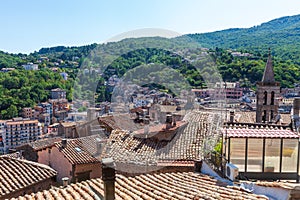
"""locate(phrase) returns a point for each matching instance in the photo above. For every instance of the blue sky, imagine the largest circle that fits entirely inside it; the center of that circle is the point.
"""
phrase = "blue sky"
(29, 25)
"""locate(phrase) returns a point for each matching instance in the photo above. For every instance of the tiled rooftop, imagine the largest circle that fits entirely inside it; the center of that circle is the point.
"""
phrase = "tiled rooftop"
(8, 123)
(250, 117)
(44, 143)
(186, 144)
(78, 151)
(120, 122)
(175, 185)
(259, 133)
(68, 124)
(12, 155)
(89, 143)
(16, 174)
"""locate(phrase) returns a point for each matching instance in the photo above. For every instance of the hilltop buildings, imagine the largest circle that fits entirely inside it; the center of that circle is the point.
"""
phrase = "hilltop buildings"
(58, 93)
(160, 149)
(30, 66)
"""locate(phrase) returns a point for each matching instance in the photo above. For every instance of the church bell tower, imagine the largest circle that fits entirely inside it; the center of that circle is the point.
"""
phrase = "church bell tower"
(268, 91)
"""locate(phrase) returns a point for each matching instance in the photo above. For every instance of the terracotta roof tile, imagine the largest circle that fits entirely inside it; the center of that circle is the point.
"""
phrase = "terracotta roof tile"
(259, 133)
(43, 143)
(80, 150)
(120, 122)
(8, 123)
(90, 143)
(186, 144)
(250, 117)
(15, 174)
(12, 155)
(176, 185)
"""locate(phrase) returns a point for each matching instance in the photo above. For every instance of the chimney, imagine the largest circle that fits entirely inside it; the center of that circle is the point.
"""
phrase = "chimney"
(146, 129)
(197, 165)
(100, 146)
(296, 107)
(174, 119)
(169, 121)
(231, 117)
(65, 181)
(64, 143)
(146, 120)
(108, 177)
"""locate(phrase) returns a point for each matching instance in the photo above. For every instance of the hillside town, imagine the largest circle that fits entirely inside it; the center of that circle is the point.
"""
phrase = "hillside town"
(161, 147)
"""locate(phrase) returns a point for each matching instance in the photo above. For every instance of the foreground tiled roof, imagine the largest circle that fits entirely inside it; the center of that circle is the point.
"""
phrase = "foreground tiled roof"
(16, 174)
(77, 151)
(12, 155)
(187, 143)
(176, 185)
(259, 133)
(277, 184)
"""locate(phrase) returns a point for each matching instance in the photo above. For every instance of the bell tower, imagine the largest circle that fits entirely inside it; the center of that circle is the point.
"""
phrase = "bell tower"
(268, 91)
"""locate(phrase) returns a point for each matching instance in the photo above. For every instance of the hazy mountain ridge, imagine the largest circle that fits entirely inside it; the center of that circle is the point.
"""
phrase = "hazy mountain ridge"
(282, 35)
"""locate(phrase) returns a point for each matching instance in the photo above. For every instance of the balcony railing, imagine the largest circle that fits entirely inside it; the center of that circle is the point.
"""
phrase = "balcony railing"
(217, 162)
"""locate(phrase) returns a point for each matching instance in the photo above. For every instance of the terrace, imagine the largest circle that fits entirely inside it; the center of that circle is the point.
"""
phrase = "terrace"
(265, 153)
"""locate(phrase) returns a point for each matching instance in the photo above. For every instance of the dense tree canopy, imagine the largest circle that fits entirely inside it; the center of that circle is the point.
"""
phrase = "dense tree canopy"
(21, 88)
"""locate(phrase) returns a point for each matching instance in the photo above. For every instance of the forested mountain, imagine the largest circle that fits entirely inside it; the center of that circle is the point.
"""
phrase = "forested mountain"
(282, 35)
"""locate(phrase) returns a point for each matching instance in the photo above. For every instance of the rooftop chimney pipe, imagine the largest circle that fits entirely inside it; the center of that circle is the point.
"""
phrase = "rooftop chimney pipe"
(108, 177)
(231, 117)
(64, 143)
(65, 181)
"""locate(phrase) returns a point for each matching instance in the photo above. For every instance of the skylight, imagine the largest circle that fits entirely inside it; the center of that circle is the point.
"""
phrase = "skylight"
(78, 149)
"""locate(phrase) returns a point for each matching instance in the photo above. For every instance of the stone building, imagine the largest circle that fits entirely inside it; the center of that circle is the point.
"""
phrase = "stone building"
(33, 150)
(268, 91)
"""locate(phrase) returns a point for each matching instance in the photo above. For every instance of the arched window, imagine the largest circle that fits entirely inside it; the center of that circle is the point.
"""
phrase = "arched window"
(272, 97)
(272, 114)
(264, 117)
(265, 97)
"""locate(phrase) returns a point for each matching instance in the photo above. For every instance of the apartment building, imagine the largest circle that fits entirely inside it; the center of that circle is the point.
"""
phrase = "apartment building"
(58, 93)
(2, 130)
(19, 131)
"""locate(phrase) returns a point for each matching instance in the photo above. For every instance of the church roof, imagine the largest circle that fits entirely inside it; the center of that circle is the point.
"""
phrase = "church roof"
(268, 76)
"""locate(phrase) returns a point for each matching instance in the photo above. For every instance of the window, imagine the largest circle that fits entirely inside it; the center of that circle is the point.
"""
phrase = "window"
(272, 97)
(289, 155)
(255, 152)
(264, 117)
(272, 114)
(265, 97)
(272, 155)
(78, 149)
(237, 152)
